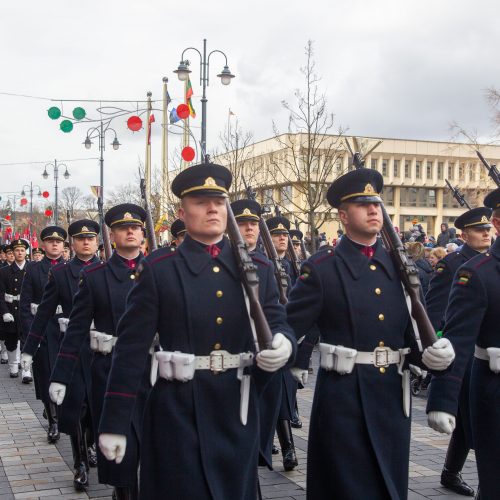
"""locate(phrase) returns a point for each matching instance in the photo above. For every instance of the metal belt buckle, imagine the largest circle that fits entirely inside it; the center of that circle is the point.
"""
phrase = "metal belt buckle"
(217, 362)
(381, 357)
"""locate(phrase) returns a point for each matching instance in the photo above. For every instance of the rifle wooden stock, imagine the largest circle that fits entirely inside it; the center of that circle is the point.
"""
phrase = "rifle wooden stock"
(150, 227)
(250, 280)
(106, 241)
(292, 255)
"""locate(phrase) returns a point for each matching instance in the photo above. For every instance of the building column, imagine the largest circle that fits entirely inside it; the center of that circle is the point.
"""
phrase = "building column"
(439, 209)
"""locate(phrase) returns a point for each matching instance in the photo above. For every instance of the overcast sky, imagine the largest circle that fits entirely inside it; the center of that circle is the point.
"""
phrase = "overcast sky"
(389, 68)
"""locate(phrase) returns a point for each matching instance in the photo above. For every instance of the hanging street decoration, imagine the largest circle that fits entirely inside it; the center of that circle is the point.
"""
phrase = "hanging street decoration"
(48, 212)
(54, 113)
(79, 113)
(66, 126)
(183, 111)
(24, 201)
(45, 194)
(188, 153)
(134, 123)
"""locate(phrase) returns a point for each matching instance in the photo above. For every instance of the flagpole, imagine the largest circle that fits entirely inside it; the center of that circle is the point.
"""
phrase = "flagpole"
(164, 151)
(147, 159)
(185, 135)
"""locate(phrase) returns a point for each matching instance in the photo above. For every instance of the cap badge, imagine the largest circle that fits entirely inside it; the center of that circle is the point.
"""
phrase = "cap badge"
(127, 215)
(281, 226)
(56, 234)
(210, 182)
(369, 189)
(85, 229)
(484, 219)
(247, 212)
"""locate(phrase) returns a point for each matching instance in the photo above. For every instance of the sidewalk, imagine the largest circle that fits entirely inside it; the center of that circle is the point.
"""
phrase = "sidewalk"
(32, 469)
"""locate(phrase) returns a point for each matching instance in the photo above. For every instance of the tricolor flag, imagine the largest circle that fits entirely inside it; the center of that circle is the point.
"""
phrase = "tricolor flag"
(173, 116)
(189, 94)
(151, 120)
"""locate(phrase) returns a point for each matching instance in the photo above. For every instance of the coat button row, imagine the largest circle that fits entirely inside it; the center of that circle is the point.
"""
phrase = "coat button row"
(378, 291)
(372, 267)
(219, 294)
(219, 321)
(216, 269)
(381, 317)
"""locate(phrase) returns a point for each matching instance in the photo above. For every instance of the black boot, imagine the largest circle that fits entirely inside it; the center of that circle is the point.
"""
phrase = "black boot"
(453, 481)
(295, 422)
(275, 450)
(284, 431)
(80, 461)
(53, 430)
(126, 492)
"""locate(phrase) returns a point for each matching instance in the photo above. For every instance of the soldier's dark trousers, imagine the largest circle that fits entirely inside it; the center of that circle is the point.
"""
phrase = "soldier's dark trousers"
(80, 459)
(126, 493)
(53, 430)
(457, 449)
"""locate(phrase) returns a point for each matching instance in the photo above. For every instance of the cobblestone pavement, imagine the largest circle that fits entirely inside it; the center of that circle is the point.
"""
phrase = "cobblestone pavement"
(32, 469)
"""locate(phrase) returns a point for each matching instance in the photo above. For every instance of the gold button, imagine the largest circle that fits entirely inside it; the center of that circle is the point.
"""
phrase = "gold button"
(381, 344)
(132, 276)
(219, 320)
(15, 279)
(219, 294)
(381, 317)
(217, 346)
(372, 267)
(378, 291)
(216, 269)
(382, 369)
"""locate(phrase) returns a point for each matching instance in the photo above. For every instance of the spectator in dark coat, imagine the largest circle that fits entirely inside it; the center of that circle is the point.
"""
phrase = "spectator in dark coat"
(425, 270)
(444, 236)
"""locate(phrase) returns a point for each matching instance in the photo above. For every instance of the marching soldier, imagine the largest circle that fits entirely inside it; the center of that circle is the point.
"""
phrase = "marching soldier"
(37, 254)
(178, 232)
(475, 227)
(67, 251)
(4, 358)
(359, 434)
(101, 252)
(11, 281)
(279, 228)
(100, 299)
(3, 257)
(34, 283)
(471, 325)
(74, 413)
(202, 414)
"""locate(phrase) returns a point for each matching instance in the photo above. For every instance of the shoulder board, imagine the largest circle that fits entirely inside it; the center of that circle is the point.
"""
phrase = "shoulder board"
(94, 267)
(463, 277)
(261, 260)
(57, 267)
(483, 259)
(322, 255)
(160, 254)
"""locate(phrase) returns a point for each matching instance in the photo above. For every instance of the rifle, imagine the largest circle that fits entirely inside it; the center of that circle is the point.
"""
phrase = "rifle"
(492, 169)
(279, 272)
(150, 228)
(407, 271)
(290, 251)
(302, 244)
(458, 195)
(250, 281)
(104, 230)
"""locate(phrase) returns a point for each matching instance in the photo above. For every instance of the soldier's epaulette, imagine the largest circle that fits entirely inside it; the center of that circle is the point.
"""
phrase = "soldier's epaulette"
(322, 255)
(94, 267)
(161, 254)
(61, 265)
(260, 260)
(485, 258)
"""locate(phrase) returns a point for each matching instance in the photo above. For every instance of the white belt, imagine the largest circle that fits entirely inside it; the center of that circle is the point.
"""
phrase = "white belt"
(180, 366)
(11, 298)
(381, 357)
(102, 342)
(490, 354)
(63, 324)
(34, 309)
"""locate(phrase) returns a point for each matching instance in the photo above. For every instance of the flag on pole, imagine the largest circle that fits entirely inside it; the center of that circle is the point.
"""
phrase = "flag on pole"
(151, 120)
(34, 240)
(173, 116)
(189, 94)
(96, 191)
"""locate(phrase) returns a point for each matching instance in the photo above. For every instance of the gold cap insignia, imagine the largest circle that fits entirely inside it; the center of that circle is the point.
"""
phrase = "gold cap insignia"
(85, 229)
(484, 219)
(369, 189)
(247, 212)
(127, 215)
(209, 182)
(281, 226)
(56, 234)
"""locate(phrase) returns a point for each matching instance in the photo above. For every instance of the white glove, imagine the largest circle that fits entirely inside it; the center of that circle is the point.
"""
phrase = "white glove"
(441, 421)
(271, 360)
(26, 361)
(439, 355)
(300, 375)
(57, 392)
(113, 446)
(8, 318)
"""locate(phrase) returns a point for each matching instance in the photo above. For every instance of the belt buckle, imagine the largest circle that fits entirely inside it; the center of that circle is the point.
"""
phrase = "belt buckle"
(217, 362)
(381, 357)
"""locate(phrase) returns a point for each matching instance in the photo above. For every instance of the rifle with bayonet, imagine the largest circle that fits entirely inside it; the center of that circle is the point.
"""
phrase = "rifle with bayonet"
(150, 228)
(104, 230)
(265, 236)
(250, 280)
(493, 171)
(302, 244)
(458, 195)
(290, 251)
(406, 269)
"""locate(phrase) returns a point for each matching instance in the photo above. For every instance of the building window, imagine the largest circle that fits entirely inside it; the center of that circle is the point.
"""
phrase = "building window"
(395, 168)
(374, 163)
(267, 197)
(418, 197)
(440, 170)
(418, 169)
(429, 170)
(451, 171)
(388, 196)
(286, 195)
(448, 200)
(461, 172)
(385, 167)
(407, 169)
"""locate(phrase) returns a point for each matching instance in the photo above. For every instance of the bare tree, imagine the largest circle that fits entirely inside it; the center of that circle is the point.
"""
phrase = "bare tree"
(126, 193)
(71, 200)
(309, 154)
(89, 208)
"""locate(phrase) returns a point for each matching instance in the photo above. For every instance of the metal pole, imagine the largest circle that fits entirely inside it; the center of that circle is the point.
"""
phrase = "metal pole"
(147, 159)
(164, 151)
(101, 162)
(204, 103)
(56, 176)
(31, 209)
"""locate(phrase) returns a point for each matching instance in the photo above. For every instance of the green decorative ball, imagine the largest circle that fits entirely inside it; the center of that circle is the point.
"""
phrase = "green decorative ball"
(66, 126)
(54, 113)
(79, 113)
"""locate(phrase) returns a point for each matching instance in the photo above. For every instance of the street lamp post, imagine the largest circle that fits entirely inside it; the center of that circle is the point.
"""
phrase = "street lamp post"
(183, 73)
(66, 175)
(31, 188)
(100, 133)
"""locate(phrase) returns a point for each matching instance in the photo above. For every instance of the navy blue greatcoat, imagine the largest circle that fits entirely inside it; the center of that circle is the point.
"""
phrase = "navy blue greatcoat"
(194, 444)
(31, 293)
(473, 317)
(359, 437)
(101, 298)
(61, 287)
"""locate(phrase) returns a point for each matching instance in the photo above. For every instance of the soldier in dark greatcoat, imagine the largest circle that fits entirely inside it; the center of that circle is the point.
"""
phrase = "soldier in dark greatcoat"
(34, 283)
(475, 227)
(74, 413)
(472, 325)
(97, 308)
(359, 434)
(201, 424)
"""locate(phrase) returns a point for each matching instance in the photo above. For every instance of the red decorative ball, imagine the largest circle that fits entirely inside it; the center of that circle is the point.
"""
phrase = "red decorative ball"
(188, 153)
(182, 111)
(24, 201)
(7, 217)
(134, 123)
(48, 212)
(45, 194)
